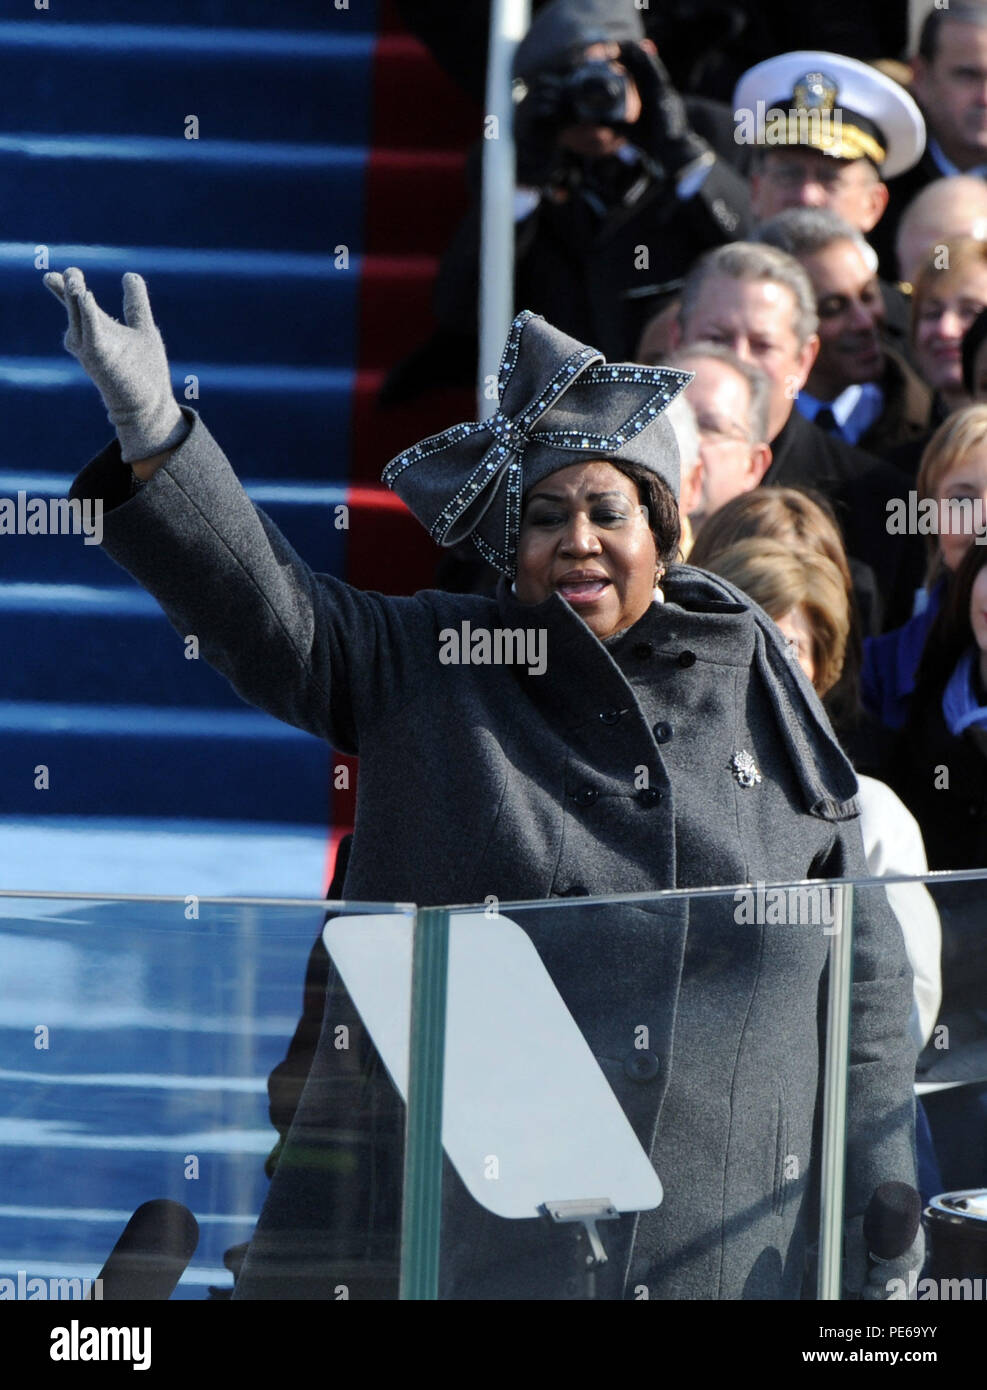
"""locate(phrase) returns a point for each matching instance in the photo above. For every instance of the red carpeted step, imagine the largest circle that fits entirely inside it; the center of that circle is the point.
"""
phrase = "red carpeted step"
(415, 199)
(380, 434)
(416, 195)
(387, 549)
(416, 106)
(395, 307)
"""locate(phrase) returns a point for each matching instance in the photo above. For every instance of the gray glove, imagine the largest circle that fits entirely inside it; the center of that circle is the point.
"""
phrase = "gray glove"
(126, 361)
(870, 1282)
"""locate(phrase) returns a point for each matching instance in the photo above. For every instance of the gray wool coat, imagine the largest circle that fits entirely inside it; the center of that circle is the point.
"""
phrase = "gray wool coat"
(608, 773)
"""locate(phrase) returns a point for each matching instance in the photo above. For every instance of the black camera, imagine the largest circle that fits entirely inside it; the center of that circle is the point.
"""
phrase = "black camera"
(591, 93)
(594, 94)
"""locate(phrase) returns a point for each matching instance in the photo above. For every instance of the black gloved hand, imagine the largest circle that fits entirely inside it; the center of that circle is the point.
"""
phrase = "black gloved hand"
(537, 122)
(663, 128)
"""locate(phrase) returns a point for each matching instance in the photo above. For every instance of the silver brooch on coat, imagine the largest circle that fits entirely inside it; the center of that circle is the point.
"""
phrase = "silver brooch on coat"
(744, 768)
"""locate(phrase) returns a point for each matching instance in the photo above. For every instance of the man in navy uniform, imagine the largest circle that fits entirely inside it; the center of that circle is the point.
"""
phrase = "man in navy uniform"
(828, 131)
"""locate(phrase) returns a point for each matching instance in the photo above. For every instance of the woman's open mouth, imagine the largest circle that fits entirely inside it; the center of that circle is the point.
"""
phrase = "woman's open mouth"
(586, 589)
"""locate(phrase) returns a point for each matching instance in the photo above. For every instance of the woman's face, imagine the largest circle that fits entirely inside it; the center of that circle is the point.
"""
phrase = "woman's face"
(797, 629)
(585, 535)
(941, 320)
(966, 479)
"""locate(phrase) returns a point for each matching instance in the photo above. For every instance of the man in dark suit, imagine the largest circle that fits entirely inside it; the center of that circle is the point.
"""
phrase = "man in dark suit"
(950, 83)
(759, 301)
(858, 388)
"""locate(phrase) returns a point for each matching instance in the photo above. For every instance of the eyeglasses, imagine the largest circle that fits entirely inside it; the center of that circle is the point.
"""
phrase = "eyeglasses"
(791, 176)
(716, 438)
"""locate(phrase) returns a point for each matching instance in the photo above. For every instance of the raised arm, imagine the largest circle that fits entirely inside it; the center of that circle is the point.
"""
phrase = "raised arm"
(127, 364)
(305, 647)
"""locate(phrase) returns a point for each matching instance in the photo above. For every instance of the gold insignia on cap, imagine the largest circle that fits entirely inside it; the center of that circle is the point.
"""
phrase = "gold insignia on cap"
(815, 92)
(815, 120)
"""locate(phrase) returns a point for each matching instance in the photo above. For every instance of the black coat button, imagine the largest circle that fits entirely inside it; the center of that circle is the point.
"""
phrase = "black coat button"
(610, 716)
(641, 1066)
(662, 731)
(649, 796)
(642, 650)
(575, 890)
(687, 659)
(586, 796)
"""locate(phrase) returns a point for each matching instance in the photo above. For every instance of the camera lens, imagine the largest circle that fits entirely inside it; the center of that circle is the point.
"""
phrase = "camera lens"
(596, 95)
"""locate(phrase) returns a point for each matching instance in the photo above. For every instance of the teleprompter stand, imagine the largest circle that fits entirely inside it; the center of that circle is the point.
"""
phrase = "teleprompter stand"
(521, 1088)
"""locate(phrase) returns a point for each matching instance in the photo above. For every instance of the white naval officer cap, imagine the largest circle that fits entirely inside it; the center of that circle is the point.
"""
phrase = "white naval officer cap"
(878, 119)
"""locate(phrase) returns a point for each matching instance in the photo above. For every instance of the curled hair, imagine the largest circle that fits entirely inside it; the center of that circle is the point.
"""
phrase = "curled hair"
(780, 579)
(785, 514)
(802, 522)
(663, 510)
(962, 431)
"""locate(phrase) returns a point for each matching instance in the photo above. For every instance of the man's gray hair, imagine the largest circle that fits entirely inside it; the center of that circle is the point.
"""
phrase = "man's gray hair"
(805, 231)
(758, 384)
(745, 260)
(682, 418)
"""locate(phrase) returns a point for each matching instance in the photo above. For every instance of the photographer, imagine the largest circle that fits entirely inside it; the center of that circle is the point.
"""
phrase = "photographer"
(617, 192)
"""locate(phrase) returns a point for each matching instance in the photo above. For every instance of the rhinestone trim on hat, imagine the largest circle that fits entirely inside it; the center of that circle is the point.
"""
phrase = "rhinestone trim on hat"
(501, 464)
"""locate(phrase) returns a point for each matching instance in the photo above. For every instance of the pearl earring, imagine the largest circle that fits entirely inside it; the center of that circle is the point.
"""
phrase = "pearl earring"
(659, 594)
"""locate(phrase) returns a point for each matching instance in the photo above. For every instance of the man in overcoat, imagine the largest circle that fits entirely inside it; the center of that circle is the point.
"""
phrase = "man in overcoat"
(612, 205)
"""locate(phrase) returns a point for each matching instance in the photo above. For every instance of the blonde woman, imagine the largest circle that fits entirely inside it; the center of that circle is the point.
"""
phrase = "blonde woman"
(948, 503)
(949, 292)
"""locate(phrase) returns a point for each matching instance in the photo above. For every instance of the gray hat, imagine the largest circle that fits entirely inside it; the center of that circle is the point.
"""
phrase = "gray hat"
(469, 481)
(565, 27)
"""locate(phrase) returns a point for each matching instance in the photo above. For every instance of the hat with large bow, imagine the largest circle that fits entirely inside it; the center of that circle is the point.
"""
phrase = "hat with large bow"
(559, 403)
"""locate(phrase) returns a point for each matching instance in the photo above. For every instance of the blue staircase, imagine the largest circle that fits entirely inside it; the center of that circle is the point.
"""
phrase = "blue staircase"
(250, 239)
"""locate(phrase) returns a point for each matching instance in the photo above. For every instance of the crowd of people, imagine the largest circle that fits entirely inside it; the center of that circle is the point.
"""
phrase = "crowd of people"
(762, 665)
(815, 253)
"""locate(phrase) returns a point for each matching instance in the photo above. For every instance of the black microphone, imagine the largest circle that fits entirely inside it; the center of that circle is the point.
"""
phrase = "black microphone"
(151, 1255)
(891, 1222)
